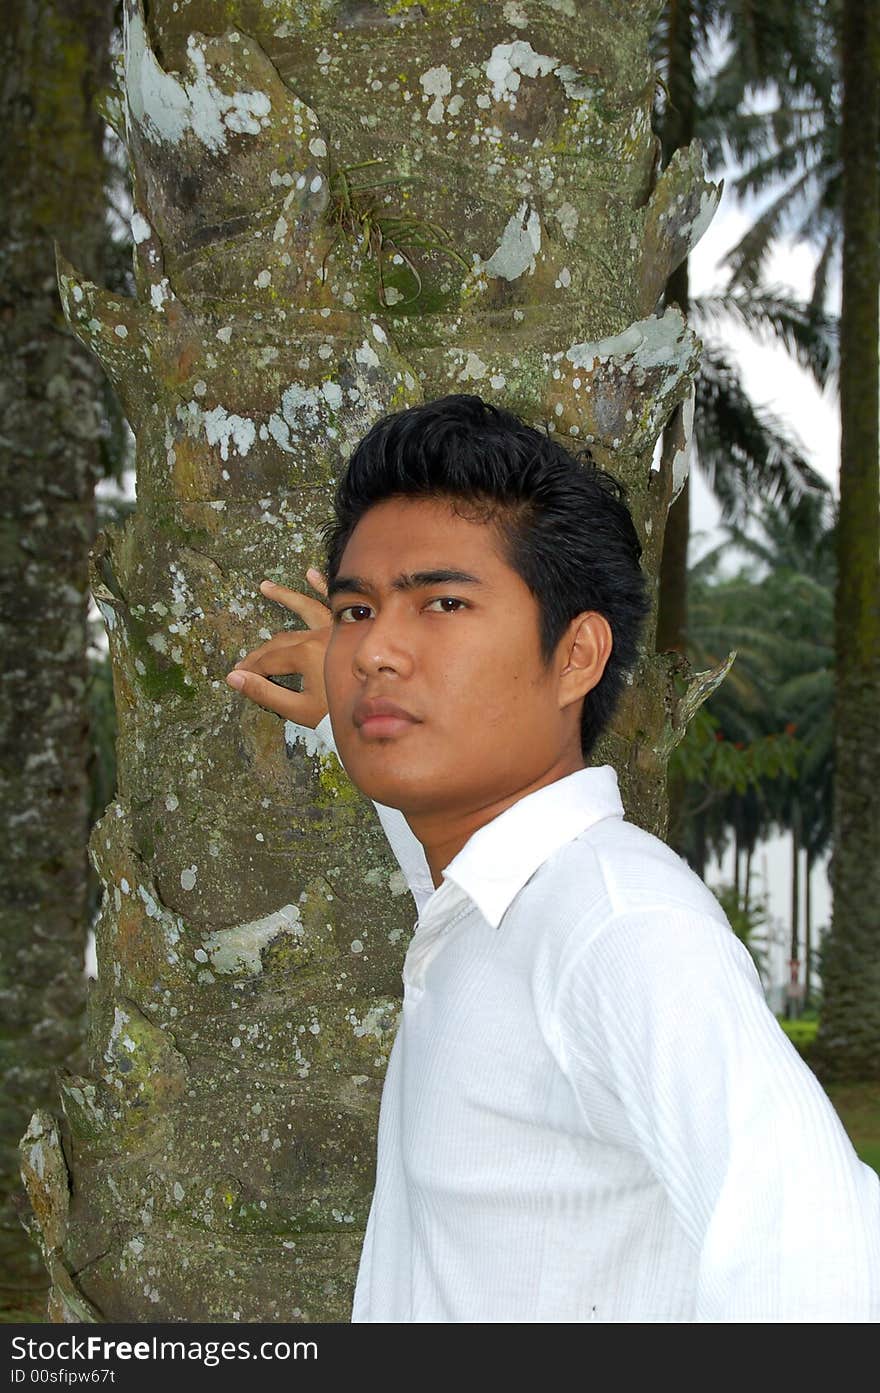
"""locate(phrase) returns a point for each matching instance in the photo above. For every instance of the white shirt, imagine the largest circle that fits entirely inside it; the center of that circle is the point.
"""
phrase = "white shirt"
(589, 1112)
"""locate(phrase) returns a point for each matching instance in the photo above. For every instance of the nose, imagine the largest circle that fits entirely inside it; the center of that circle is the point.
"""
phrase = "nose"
(384, 647)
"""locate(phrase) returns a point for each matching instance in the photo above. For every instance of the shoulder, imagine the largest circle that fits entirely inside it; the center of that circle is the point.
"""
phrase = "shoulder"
(641, 872)
(615, 869)
(617, 892)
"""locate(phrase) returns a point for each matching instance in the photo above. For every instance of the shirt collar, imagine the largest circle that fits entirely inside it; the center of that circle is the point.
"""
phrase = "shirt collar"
(497, 860)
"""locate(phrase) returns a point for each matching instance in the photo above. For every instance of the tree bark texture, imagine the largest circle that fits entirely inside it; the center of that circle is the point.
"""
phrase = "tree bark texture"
(341, 209)
(848, 1044)
(55, 58)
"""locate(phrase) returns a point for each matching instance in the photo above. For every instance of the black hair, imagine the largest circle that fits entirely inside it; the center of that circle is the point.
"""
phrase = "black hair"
(562, 521)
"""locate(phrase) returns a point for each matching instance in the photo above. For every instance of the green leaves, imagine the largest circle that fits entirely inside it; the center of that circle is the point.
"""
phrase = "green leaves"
(763, 741)
(707, 757)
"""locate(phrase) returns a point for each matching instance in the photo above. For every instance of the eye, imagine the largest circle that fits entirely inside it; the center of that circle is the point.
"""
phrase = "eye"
(338, 617)
(448, 600)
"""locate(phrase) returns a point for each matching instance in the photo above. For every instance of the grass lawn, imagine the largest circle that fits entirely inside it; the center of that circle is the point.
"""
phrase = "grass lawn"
(858, 1107)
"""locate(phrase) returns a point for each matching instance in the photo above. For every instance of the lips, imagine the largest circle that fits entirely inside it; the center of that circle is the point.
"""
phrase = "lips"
(380, 710)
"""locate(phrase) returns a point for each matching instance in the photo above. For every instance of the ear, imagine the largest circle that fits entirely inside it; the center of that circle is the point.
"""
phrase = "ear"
(584, 649)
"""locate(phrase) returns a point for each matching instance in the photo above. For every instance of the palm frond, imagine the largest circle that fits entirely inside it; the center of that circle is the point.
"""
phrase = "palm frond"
(745, 451)
(746, 259)
(808, 334)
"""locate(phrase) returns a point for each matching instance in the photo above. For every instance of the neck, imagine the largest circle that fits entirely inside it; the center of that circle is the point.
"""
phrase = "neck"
(443, 833)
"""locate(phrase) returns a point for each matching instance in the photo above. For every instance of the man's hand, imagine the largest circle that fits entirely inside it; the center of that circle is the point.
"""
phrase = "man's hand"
(291, 651)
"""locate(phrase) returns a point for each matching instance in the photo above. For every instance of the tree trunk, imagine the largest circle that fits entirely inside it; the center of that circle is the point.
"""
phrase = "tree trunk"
(808, 929)
(848, 1044)
(677, 133)
(55, 57)
(794, 942)
(513, 240)
(736, 849)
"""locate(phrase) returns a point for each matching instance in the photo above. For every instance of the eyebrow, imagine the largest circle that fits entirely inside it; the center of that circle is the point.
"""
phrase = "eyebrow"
(414, 580)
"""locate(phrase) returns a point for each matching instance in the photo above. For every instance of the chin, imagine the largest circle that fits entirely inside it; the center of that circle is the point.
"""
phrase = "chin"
(406, 773)
(378, 783)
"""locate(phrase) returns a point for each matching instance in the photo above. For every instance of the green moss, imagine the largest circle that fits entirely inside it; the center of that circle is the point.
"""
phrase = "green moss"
(92, 1114)
(337, 788)
(159, 518)
(161, 676)
(432, 8)
(429, 300)
(400, 397)
(65, 122)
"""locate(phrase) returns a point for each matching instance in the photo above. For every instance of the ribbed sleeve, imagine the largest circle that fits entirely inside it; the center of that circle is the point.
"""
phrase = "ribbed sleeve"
(664, 1007)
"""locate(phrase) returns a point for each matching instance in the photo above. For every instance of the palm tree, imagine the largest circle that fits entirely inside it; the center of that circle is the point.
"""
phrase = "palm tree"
(848, 1044)
(740, 449)
(791, 148)
(780, 623)
(824, 150)
(806, 557)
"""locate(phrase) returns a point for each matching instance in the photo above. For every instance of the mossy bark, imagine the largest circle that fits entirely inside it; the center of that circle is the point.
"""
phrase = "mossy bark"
(340, 209)
(848, 1043)
(55, 56)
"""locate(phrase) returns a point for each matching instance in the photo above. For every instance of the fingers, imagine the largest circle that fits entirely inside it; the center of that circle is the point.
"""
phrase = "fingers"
(312, 611)
(294, 706)
(268, 694)
(284, 654)
(317, 580)
(289, 652)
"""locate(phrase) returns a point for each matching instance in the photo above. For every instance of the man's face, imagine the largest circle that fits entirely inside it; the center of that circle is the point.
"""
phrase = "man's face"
(462, 657)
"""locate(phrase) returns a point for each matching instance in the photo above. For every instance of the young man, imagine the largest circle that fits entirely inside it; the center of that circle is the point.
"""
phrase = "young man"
(589, 1111)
